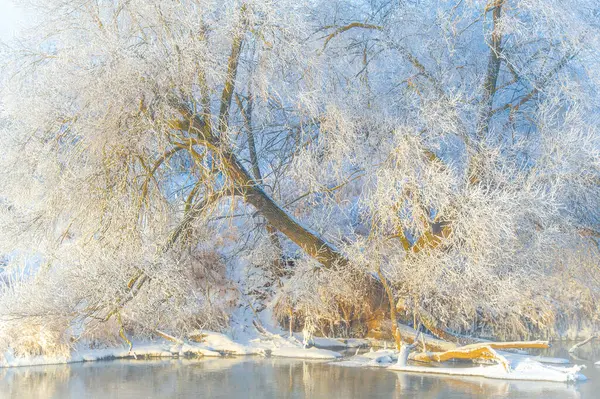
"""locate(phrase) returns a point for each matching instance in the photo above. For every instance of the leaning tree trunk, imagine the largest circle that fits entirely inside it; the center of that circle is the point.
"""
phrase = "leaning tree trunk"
(278, 218)
(314, 245)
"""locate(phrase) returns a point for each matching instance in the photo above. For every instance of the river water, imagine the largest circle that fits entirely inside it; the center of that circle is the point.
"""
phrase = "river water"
(256, 377)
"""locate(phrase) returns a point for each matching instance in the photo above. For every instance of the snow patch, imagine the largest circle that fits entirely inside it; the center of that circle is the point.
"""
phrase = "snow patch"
(211, 344)
(526, 370)
(515, 358)
(144, 350)
(305, 353)
(380, 358)
(272, 344)
(222, 343)
(522, 367)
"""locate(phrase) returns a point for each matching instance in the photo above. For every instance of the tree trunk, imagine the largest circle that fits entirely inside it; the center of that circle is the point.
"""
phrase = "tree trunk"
(393, 318)
(489, 86)
(309, 241)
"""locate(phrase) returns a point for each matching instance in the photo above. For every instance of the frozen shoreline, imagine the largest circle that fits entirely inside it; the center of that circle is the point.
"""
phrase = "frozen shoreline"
(212, 345)
(522, 367)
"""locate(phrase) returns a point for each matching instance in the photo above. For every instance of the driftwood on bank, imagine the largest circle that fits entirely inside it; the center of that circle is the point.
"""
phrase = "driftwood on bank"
(511, 345)
(427, 342)
(479, 351)
(476, 353)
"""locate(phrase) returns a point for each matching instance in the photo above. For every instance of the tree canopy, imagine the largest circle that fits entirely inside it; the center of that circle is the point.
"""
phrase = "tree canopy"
(165, 162)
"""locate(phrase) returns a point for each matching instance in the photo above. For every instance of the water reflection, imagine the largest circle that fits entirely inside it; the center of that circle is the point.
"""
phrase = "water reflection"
(252, 377)
(474, 387)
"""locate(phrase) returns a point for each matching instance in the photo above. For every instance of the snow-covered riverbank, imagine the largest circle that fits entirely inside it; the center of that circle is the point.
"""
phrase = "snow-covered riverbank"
(521, 366)
(212, 345)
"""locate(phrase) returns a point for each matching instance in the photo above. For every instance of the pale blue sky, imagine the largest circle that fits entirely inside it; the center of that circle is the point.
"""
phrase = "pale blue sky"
(11, 18)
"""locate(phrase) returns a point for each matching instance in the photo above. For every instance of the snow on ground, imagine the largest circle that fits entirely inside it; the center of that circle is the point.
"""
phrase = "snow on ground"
(522, 367)
(527, 370)
(273, 345)
(514, 358)
(211, 345)
(302, 353)
(143, 350)
(222, 343)
(379, 358)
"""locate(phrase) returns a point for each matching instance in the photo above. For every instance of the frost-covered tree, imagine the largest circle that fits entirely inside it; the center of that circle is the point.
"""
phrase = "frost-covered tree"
(167, 160)
(478, 156)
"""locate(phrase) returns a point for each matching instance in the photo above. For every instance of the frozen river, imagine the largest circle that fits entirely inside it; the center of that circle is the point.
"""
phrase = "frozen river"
(256, 377)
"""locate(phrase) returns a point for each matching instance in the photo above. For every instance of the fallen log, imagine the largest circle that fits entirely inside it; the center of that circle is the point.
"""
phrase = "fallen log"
(511, 345)
(476, 353)
(479, 351)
